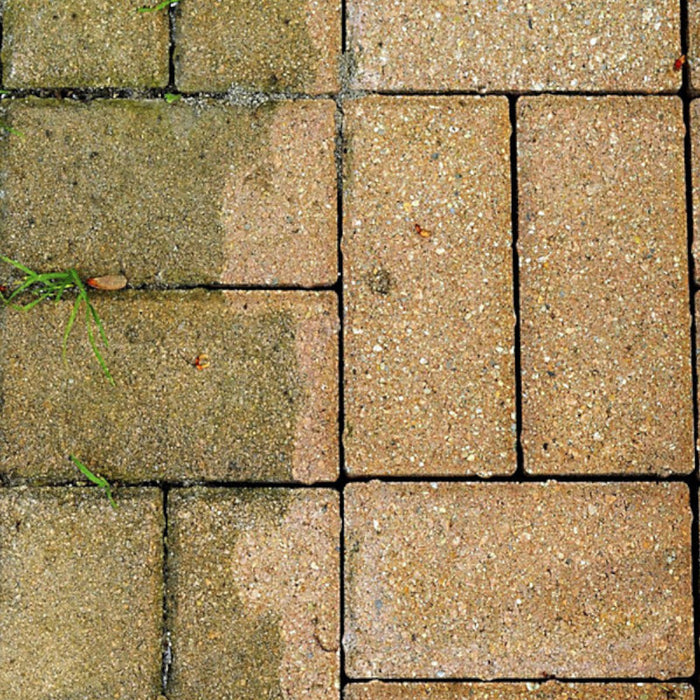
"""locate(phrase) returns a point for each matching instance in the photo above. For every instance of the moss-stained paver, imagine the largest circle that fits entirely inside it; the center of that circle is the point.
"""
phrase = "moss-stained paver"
(518, 691)
(273, 46)
(81, 600)
(428, 287)
(264, 409)
(518, 580)
(74, 43)
(604, 286)
(188, 193)
(485, 45)
(254, 593)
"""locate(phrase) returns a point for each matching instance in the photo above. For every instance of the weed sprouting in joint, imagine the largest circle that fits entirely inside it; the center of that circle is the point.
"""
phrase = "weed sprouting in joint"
(159, 6)
(98, 480)
(52, 286)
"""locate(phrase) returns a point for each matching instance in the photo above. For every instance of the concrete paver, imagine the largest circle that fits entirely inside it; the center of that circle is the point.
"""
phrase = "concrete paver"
(265, 409)
(428, 287)
(185, 194)
(254, 593)
(518, 580)
(93, 44)
(81, 600)
(604, 286)
(517, 691)
(273, 46)
(484, 45)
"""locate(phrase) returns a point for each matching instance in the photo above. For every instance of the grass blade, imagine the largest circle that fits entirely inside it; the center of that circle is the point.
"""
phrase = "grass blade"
(98, 480)
(69, 326)
(19, 266)
(159, 6)
(95, 349)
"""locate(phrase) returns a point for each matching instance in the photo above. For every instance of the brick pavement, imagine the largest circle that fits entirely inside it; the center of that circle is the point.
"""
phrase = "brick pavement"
(403, 383)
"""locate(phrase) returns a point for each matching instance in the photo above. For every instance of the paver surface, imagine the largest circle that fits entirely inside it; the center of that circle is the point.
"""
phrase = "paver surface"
(428, 287)
(80, 594)
(604, 304)
(255, 593)
(190, 193)
(518, 580)
(264, 409)
(482, 45)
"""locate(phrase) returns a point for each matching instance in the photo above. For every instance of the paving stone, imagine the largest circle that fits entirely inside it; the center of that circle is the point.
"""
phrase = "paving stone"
(482, 45)
(74, 43)
(525, 580)
(254, 593)
(181, 194)
(695, 160)
(81, 600)
(428, 287)
(517, 691)
(273, 46)
(694, 43)
(604, 286)
(265, 409)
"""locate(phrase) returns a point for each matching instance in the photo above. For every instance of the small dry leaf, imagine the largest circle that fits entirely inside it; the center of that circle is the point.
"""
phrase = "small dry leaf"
(109, 283)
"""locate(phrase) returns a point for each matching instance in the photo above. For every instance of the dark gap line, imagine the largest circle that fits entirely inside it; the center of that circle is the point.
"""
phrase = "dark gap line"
(171, 48)
(514, 223)
(166, 647)
(693, 481)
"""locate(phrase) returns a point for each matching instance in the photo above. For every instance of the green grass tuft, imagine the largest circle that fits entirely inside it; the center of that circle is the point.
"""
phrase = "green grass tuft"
(98, 480)
(52, 286)
(171, 97)
(159, 6)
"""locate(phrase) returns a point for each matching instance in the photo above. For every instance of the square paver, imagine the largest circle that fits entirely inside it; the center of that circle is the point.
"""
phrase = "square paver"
(486, 581)
(185, 194)
(428, 287)
(86, 44)
(81, 600)
(517, 691)
(273, 46)
(262, 406)
(254, 594)
(484, 45)
(605, 320)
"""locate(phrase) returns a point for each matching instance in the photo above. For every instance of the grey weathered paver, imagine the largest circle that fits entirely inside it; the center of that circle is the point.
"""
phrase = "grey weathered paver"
(188, 193)
(517, 691)
(518, 580)
(428, 287)
(254, 593)
(483, 45)
(264, 409)
(604, 286)
(81, 600)
(73, 43)
(273, 46)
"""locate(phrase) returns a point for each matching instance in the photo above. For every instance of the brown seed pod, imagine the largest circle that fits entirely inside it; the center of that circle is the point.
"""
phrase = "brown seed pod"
(422, 232)
(109, 283)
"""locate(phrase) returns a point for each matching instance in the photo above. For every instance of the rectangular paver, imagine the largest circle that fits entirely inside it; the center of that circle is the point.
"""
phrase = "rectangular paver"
(81, 600)
(518, 580)
(92, 44)
(428, 287)
(188, 193)
(254, 594)
(264, 409)
(274, 46)
(485, 45)
(695, 160)
(518, 691)
(604, 286)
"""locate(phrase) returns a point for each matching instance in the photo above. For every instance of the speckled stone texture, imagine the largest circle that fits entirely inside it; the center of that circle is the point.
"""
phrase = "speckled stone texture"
(484, 45)
(695, 159)
(191, 193)
(517, 691)
(694, 43)
(81, 601)
(604, 303)
(264, 409)
(273, 46)
(518, 580)
(86, 44)
(254, 604)
(428, 287)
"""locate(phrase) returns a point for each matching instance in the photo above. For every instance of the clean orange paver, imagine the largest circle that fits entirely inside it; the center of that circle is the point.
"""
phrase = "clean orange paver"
(81, 594)
(429, 375)
(605, 319)
(485, 45)
(518, 580)
(254, 593)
